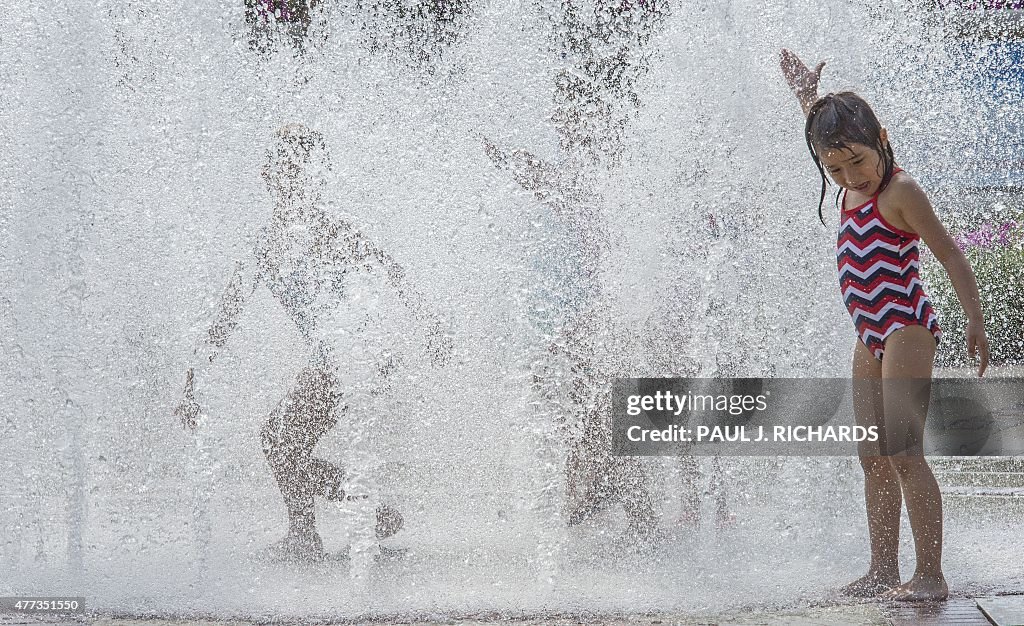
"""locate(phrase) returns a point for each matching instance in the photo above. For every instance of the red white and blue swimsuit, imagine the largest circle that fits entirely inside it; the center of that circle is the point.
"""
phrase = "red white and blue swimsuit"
(878, 276)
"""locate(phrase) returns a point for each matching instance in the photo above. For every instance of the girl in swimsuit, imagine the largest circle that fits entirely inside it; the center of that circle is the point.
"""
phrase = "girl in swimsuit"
(884, 215)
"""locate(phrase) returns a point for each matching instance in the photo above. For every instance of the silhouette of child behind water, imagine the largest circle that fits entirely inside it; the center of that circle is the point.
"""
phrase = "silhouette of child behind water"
(304, 257)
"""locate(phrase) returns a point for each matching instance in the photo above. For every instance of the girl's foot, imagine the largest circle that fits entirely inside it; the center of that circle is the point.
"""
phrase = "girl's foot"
(638, 540)
(582, 511)
(872, 584)
(920, 588)
(297, 547)
(389, 521)
(690, 518)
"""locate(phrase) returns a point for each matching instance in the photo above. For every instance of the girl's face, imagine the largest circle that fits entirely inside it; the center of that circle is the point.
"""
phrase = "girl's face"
(291, 172)
(858, 168)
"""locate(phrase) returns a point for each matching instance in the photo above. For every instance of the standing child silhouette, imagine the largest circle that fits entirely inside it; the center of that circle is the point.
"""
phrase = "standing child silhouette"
(883, 217)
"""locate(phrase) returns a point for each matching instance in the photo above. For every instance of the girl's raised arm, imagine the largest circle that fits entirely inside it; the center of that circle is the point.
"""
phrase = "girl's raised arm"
(531, 172)
(243, 283)
(567, 197)
(915, 209)
(802, 81)
(362, 252)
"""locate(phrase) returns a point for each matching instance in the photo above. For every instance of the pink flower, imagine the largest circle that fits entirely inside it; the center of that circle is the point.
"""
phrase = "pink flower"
(989, 236)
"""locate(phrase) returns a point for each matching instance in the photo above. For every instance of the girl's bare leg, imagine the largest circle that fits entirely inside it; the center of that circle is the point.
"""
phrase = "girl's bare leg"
(595, 479)
(906, 373)
(881, 485)
(723, 516)
(295, 426)
(690, 475)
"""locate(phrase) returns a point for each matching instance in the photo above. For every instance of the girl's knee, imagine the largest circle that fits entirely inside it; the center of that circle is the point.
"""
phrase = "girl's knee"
(876, 465)
(267, 437)
(273, 449)
(909, 465)
(317, 387)
(278, 444)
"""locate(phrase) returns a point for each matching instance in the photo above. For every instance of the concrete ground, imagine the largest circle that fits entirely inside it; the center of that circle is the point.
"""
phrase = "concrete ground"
(866, 614)
(956, 611)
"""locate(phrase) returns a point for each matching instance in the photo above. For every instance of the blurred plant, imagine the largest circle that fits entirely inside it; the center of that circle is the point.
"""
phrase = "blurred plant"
(989, 236)
(415, 32)
(269, 20)
(996, 253)
(981, 19)
(984, 5)
(606, 51)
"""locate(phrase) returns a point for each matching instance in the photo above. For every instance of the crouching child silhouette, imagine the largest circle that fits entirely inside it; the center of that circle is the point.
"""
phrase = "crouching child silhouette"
(304, 257)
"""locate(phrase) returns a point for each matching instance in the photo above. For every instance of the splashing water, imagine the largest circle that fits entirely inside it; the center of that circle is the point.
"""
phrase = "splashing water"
(578, 190)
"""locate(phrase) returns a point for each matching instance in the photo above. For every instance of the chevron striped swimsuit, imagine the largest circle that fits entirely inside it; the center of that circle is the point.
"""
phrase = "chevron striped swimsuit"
(878, 276)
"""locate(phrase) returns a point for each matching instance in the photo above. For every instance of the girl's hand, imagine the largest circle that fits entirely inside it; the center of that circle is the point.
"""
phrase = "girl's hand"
(188, 410)
(802, 81)
(491, 150)
(977, 342)
(439, 345)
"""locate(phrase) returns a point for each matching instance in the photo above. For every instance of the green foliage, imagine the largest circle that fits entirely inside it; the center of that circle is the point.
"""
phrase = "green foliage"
(999, 270)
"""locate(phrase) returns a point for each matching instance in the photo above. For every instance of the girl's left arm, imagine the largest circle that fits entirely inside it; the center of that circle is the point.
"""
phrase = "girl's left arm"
(365, 254)
(917, 212)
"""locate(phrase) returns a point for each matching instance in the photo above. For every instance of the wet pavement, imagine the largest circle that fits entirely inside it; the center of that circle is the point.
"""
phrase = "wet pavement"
(956, 611)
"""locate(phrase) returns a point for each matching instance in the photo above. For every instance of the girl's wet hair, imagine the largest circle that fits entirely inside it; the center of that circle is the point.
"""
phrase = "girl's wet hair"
(837, 122)
(300, 141)
(297, 149)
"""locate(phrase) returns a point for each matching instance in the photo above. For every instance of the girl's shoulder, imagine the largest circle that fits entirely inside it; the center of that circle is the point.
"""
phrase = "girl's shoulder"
(260, 239)
(902, 188)
(261, 243)
(901, 197)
